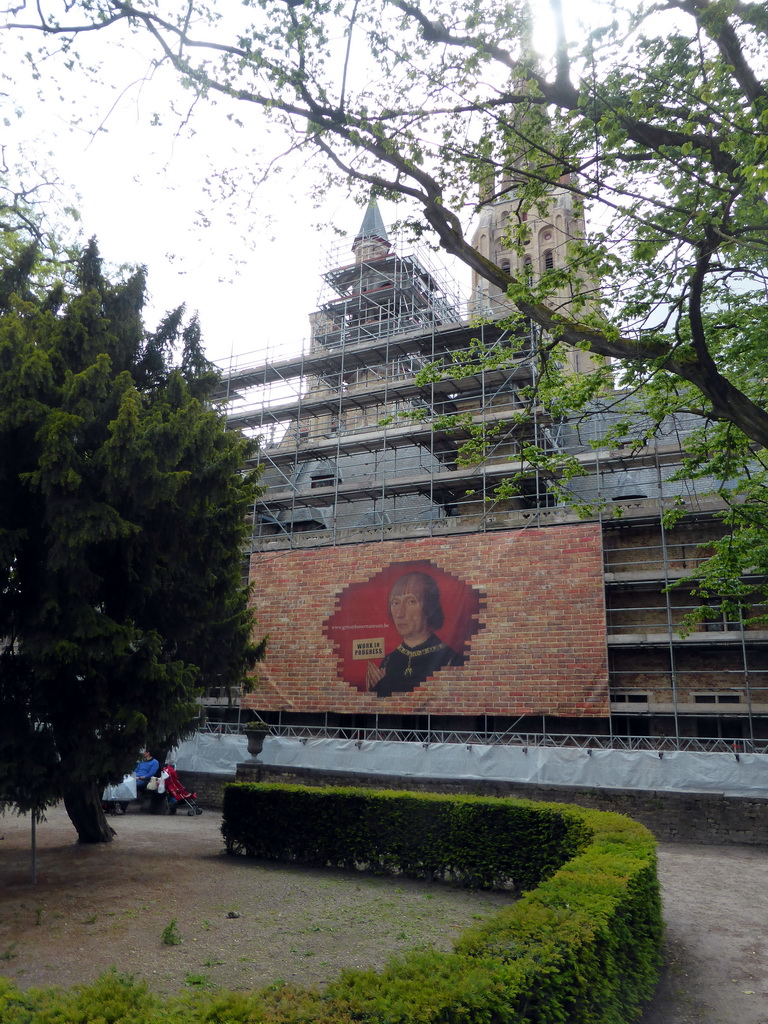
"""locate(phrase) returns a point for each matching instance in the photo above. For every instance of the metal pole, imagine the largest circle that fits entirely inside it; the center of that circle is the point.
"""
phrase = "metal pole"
(33, 851)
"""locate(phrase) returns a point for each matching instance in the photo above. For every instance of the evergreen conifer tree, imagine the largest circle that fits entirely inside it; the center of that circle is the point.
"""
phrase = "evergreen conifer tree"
(123, 513)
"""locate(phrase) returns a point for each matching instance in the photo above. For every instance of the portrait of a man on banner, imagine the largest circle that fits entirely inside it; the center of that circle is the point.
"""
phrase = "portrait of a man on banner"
(398, 629)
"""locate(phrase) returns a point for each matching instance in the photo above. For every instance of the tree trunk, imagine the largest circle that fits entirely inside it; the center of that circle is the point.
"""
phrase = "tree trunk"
(83, 804)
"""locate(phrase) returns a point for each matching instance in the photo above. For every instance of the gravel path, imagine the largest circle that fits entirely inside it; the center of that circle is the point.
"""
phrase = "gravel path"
(244, 924)
(716, 911)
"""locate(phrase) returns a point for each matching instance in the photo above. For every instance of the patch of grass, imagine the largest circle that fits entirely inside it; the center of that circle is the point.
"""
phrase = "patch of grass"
(39, 915)
(9, 952)
(205, 924)
(199, 981)
(213, 963)
(170, 935)
(91, 919)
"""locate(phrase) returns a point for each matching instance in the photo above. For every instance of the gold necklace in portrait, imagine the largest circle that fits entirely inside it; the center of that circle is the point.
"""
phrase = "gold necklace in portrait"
(411, 653)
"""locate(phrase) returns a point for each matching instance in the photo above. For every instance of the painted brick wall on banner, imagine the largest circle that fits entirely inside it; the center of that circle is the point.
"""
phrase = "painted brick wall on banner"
(500, 624)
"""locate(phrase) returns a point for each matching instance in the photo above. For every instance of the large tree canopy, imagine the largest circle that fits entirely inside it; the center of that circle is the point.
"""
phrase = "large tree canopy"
(123, 511)
(656, 120)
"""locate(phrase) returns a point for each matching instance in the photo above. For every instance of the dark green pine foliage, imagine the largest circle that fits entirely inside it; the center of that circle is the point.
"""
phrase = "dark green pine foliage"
(123, 513)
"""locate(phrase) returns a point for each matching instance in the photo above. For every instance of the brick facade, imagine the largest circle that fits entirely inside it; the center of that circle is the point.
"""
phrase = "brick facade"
(540, 647)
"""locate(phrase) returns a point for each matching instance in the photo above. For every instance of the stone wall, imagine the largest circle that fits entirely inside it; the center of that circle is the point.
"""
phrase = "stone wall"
(209, 787)
(672, 817)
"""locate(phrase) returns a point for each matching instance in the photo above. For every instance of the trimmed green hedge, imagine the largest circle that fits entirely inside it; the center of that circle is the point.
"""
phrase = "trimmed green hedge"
(583, 947)
(476, 841)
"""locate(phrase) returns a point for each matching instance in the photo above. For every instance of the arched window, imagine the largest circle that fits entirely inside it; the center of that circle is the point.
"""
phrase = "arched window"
(549, 260)
(528, 268)
(505, 266)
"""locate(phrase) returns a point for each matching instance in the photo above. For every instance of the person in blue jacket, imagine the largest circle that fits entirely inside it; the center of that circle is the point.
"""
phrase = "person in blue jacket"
(145, 769)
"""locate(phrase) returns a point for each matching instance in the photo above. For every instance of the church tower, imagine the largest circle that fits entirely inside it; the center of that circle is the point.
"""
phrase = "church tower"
(547, 237)
(527, 240)
(379, 294)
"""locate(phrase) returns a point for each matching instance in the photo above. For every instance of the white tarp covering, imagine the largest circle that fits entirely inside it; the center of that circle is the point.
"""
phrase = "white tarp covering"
(218, 753)
(676, 771)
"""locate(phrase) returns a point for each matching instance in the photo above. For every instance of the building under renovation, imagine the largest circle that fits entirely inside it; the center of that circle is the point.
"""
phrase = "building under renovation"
(546, 614)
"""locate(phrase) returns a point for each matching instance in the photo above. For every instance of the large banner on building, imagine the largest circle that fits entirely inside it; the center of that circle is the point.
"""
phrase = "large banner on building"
(499, 624)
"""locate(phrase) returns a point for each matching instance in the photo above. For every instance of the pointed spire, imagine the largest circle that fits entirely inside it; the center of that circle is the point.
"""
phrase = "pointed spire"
(371, 242)
(373, 225)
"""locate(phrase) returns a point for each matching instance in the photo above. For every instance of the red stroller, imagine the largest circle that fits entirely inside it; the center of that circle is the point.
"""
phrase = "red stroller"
(176, 793)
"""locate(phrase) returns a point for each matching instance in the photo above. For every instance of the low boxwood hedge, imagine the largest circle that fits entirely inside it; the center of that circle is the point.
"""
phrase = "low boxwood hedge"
(477, 841)
(582, 946)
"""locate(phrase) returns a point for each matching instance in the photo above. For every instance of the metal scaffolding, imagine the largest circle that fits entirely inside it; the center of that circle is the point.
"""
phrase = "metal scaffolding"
(404, 417)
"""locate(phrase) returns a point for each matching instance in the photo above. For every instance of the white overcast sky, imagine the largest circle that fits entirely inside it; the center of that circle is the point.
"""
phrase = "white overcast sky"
(139, 189)
(253, 272)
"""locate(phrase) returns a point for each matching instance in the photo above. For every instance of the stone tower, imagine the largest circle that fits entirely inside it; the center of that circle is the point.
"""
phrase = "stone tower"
(527, 240)
(548, 233)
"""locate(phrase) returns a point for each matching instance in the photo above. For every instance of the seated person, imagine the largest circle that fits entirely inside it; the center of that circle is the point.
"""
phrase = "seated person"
(144, 770)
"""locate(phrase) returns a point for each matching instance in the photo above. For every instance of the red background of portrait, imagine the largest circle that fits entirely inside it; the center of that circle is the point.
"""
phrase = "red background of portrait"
(363, 611)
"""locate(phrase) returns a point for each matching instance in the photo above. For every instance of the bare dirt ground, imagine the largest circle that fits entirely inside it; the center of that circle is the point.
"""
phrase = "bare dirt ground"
(243, 924)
